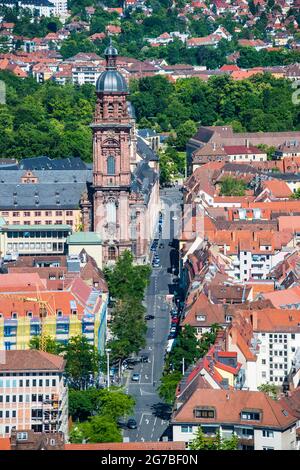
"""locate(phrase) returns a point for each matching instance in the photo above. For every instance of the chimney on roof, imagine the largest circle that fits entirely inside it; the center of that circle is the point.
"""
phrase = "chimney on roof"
(247, 143)
(227, 396)
(290, 318)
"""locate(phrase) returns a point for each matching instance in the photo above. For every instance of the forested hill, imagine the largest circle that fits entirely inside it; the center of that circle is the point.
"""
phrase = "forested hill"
(52, 120)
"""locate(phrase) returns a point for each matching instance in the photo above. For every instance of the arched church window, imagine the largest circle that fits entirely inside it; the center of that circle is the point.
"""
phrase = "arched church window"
(111, 165)
(111, 253)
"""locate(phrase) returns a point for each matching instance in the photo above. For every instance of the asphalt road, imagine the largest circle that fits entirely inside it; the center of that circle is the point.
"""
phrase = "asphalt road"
(151, 413)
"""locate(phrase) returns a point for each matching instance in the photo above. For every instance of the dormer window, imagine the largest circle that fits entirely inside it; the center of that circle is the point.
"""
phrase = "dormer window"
(59, 313)
(204, 413)
(201, 317)
(250, 415)
(14, 315)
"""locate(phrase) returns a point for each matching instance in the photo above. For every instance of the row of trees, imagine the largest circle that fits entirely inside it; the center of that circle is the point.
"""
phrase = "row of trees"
(127, 284)
(188, 349)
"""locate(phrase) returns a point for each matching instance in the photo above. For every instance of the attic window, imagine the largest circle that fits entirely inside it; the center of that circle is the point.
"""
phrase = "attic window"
(201, 317)
(204, 413)
(250, 415)
(14, 315)
(29, 314)
(59, 313)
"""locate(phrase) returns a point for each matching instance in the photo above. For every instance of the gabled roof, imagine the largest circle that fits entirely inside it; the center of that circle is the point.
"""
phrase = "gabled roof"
(31, 359)
(229, 404)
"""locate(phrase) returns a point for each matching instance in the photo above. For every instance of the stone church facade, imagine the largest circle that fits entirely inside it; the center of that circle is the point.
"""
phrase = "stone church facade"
(122, 203)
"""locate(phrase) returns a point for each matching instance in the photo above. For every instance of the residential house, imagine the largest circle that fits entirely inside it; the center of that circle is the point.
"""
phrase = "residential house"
(259, 422)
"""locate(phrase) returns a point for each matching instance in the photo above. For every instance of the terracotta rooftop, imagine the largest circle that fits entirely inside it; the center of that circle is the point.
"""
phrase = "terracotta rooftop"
(229, 404)
(20, 360)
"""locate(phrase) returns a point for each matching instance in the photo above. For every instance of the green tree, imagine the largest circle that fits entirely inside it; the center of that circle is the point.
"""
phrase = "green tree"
(269, 150)
(186, 347)
(201, 442)
(51, 346)
(168, 385)
(232, 187)
(83, 403)
(97, 429)
(128, 327)
(183, 133)
(296, 194)
(112, 403)
(127, 280)
(82, 362)
(115, 404)
(270, 389)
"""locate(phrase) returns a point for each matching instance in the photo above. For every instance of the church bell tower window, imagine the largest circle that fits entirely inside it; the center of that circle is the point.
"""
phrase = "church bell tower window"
(111, 165)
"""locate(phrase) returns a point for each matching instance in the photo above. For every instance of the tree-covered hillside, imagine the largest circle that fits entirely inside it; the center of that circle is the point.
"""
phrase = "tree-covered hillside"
(52, 120)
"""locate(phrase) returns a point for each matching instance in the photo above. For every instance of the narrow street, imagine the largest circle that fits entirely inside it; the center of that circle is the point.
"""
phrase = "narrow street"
(151, 414)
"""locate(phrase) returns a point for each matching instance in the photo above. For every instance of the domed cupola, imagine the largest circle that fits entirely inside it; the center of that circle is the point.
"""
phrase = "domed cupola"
(111, 81)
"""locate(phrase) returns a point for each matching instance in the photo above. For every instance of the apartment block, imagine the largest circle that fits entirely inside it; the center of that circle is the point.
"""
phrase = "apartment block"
(33, 393)
(266, 342)
(75, 310)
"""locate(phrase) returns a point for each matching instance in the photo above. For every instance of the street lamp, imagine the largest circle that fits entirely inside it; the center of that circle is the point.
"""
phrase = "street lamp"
(107, 350)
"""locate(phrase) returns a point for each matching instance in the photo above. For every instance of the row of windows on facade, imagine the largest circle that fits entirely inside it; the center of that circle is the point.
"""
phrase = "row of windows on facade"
(35, 428)
(36, 246)
(24, 398)
(59, 314)
(36, 213)
(39, 222)
(277, 336)
(243, 432)
(38, 234)
(62, 328)
(36, 413)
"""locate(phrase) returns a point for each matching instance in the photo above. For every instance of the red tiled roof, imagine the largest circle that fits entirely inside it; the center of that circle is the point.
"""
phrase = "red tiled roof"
(30, 359)
(229, 404)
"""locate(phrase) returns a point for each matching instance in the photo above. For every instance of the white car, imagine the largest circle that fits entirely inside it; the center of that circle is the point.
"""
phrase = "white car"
(174, 217)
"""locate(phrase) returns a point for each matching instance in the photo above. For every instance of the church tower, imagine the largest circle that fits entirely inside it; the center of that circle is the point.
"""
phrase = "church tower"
(111, 160)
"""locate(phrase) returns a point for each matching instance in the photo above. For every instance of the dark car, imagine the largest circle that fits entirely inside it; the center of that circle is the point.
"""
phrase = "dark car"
(131, 423)
(149, 317)
(172, 335)
(144, 358)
